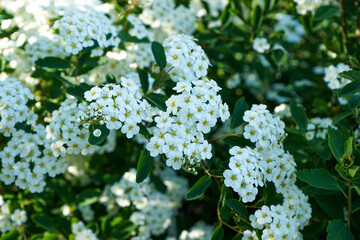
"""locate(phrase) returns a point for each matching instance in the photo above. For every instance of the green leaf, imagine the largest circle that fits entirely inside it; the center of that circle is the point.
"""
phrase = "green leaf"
(325, 12)
(321, 148)
(218, 233)
(330, 204)
(256, 17)
(340, 117)
(354, 101)
(199, 188)
(12, 235)
(122, 230)
(237, 117)
(45, 221)
(348, 148)
(350, 89)
(319, 178)
(144, 166)
(299, 115)
(53, 62)
(144, 79)
(238, 207)
(336, 140)
(76, 91)
(353, 75)
(159, 54)
(338, 230)
(157, 100)
(93, 140)
(88, 196)
(238, 141)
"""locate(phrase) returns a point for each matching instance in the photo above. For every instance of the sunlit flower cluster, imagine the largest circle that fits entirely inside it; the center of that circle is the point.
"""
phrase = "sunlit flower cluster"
(82, 29)
(332, 78)
(179, 132)
(188, 60)
(117, 106)
(13, 108)
(41, 47)
(267, 162)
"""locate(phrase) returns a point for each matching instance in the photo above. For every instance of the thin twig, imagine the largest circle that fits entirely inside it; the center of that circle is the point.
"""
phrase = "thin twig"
(223, 136)
(222, 221)
(344, 24)
(349, 205)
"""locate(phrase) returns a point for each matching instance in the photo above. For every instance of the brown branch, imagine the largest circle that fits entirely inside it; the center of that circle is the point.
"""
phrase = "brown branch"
(344, 24)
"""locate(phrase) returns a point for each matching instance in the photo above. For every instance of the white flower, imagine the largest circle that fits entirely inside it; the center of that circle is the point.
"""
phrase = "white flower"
(261, 45)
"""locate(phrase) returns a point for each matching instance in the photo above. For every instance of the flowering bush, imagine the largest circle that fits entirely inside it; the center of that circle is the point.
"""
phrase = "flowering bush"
(174, 119)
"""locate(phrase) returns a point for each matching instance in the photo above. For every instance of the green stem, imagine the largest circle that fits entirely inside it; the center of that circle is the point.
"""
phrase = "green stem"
(349, 204)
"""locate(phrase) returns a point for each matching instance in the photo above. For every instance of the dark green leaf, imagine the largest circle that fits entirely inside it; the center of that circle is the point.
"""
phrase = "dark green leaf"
(199, 188)
(238, 141)
(53, 62)
(353, 75)
(326, 12)
(330, 204)
(237, 117)
(338, 230)
(238, 207)
(159, 54)
(144, 79)
(76, 91)
(218, 233)
(93, 140)
(157, 100)
(319, 178)
(88, 196)
(354, 101)
(12, 235)
(348, 148)
(350, 89)
(256, 17)
(340, 117)
(336, 140)
(321, 148)
(299, 115)
(45, 221)
(144, 166)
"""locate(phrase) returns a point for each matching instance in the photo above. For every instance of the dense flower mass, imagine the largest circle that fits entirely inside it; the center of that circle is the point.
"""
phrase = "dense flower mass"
(179, 132)
(117, 106)
(268, 162)
(130, 120)
(82, 29)
(188, 60)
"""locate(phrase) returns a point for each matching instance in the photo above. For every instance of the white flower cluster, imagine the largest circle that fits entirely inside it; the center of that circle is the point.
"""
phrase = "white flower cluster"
(251, 168)
(284, 221)
(186, 57)
(117, 106)
(10, 220)
(81, 29)
(200, 231)
(292, 28)
(41, 47)
(69, 136)
(154, 210)
(179, 132)
(81, 232)
(317, 128)
(332, 77)
(13, 109)
(171, 18)
(86, 212)
(261, 45)
(334, 81)
(304, 6)
(27, 158)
